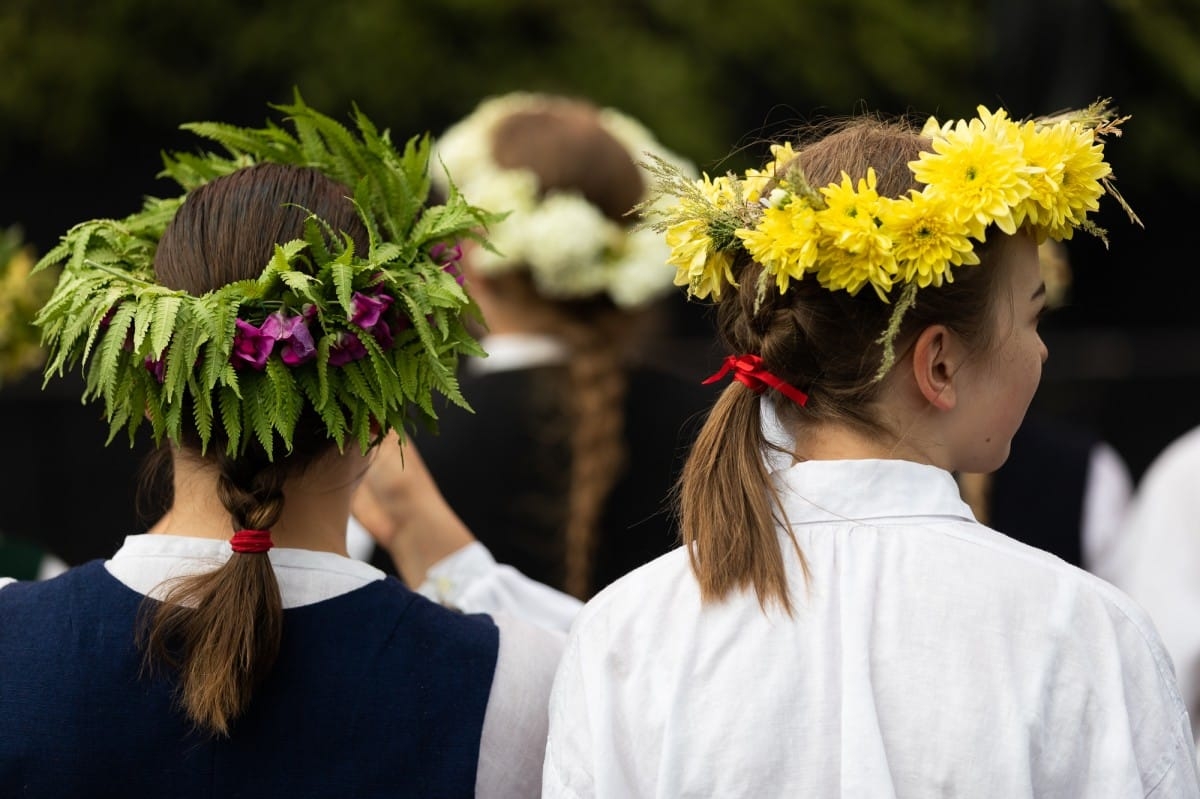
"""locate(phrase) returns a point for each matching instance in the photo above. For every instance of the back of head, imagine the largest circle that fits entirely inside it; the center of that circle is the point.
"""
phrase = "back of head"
(221, 630)
(570, 176)
(830, 344)
(227, 229)
(919, 217)
(565, 145)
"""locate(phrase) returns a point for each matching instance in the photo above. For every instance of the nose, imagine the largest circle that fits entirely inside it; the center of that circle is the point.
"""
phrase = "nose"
(1045, 352)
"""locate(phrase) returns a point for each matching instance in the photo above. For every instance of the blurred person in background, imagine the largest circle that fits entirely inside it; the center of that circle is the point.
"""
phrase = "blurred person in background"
(1158, 557)
(564, 467)
(21, 294)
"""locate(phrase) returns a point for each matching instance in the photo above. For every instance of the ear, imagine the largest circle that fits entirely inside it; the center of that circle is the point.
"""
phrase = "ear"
(937, 357)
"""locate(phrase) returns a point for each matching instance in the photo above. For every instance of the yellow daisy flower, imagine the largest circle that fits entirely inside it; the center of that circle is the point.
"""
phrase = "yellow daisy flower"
(783, 155)
(846, 271)
(851, 215)
(698, 264)
(1045, 150)
(784, 242)
(1080, 189)
(850, 223)
(926, 239)
(756, 180)
(978, 169)
(719, 192)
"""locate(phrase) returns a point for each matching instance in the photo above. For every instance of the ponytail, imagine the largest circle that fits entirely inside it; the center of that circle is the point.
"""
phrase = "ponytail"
(728, 508)
(220, 631)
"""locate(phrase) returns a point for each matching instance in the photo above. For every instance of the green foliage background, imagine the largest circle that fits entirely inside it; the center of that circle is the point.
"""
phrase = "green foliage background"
(701, 72)
(92, 90)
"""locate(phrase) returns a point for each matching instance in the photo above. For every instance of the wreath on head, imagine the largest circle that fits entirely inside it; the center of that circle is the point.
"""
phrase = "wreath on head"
(1045, 175)
(362, 338)
(568, 246)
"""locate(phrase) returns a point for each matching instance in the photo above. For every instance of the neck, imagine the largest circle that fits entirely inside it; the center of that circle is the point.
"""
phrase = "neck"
(908, 439)
(315, 512)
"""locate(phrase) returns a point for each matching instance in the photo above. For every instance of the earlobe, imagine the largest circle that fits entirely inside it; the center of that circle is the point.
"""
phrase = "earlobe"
(935, 362)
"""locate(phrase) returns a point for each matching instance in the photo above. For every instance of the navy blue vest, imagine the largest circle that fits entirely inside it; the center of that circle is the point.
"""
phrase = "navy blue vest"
(376, 693)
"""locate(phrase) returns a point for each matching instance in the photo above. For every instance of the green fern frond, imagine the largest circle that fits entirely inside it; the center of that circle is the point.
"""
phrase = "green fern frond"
(110, 317)
(230, 404)
(202, 411)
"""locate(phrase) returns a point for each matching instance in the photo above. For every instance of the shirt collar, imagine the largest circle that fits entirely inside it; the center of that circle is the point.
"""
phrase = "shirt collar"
(144, 562)
(509, 351)
(851, 490)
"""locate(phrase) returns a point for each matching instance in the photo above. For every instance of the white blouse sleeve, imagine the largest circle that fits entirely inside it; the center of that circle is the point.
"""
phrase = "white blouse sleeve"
(512, 745)
(1157, 559)
(1106, 498)
(472, 581)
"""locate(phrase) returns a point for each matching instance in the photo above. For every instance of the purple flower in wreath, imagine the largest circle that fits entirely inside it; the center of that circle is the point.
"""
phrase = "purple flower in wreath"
(156, 367)
(346, 348)
(292, 332)
(382, 332)
(251, 347)
(106, 323)
(366, 309)
(448, 258)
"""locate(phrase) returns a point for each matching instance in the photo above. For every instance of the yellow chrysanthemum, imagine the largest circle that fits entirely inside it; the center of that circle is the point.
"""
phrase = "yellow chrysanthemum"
(978, 169)
(851, 215)
(1045, 152)
(719, 192)
(756, 180)
(839, 270)
(784, 242)
(926, 239)
(850, 223)
(1079, 189)
(698, 264)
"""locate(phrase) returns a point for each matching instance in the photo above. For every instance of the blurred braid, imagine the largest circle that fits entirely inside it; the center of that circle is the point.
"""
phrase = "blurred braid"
(596, 387)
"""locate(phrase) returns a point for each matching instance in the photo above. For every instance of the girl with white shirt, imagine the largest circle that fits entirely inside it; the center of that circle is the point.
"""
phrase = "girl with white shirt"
(273, 330)
(837, 623)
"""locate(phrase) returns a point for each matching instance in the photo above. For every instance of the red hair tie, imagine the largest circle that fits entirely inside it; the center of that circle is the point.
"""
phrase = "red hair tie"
(750, 372)
(251, 541)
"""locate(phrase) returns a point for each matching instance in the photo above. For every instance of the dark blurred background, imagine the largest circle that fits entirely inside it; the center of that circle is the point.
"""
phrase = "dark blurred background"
(90, 92)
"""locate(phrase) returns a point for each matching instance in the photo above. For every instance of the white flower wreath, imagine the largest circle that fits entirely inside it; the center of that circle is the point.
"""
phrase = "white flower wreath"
(570, 247)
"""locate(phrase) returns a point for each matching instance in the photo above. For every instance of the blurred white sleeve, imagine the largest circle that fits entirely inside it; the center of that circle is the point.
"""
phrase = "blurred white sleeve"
(1157, 558)
(360, 544)
(1106, 498)
(472, 581)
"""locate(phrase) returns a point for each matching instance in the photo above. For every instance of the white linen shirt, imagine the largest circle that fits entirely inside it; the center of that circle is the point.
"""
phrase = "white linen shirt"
(928, 656)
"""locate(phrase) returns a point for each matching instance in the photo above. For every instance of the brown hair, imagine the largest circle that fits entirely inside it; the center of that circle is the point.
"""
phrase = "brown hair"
(567, 148)
(220, 630)
(825, 343)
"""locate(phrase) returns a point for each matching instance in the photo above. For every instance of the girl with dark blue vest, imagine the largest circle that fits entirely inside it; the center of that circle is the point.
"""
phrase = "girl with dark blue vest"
(272, 324)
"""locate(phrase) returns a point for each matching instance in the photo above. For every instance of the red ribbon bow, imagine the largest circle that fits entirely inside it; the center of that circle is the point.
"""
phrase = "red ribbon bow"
(750, 372)
(251, 541)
